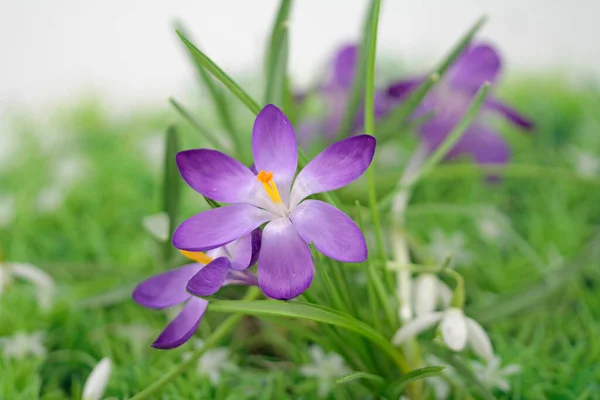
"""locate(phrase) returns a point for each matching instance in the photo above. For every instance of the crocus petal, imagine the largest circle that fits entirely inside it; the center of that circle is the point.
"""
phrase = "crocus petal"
(166, 289)
(183, 326)
(485, 145)
(454, 329)
(244, 252)
(477, 65)
(95, 385)
(510, 113)
(285, 266)
(275, 148)
(335, 167)
(218, 176)
(332, 232)
(479, 340)
(219, 226)
(399, 90)
(209, 279)
(416, 326)
(344, 66)
(426, 286)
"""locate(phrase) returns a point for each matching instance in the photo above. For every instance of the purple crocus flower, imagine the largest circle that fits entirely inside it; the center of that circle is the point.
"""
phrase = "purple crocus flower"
(226, 265)
(449, 100)
(335, 92)
(285, 265)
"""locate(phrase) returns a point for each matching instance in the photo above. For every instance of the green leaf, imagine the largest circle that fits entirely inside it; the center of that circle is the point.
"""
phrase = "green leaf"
(171, 185)
(312, 312)
(219, 100)
(398, 386)
(277, 57)
(211, 202)
(218, 73)
(356, 93)
(398, 117)
(447, 145)
(353, 376)
(203, 131)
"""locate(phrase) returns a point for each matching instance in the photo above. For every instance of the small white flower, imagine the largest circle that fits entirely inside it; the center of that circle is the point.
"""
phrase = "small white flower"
(44, 284)
(50, 198)
(7, 210)
(153, 150)
(490, 229)
(586, 164)
(97, 381)
(429, 293)
(326, 368)
(22, 345)
(213, 363)
(457, 330)
(157, 225)
(492, 376)
(443, 246)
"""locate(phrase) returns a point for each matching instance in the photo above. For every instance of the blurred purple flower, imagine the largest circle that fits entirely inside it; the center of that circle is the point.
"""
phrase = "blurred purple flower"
(226, 265)
(285, 266)
(335, 92)
(449, 100)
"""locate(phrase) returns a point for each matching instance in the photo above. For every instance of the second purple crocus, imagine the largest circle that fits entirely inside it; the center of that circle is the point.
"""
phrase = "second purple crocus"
(449, 100)
(221, 266)
(276, 196)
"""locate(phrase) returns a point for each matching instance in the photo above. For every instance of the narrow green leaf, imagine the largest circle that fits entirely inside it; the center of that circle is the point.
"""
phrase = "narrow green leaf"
(397, 387)
(211, 202)
(353, 376)
(171, 185)
(400, 114)
(312, 312)
(277, 56)
(356, 93)
(218, 73)
(218, 98)
(203, 131)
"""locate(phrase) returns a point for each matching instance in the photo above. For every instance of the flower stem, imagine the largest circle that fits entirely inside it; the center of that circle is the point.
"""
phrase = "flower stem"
(219, 333)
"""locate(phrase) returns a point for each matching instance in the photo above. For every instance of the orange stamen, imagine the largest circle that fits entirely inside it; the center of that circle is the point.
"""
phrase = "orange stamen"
(266, 178)
(197, 256)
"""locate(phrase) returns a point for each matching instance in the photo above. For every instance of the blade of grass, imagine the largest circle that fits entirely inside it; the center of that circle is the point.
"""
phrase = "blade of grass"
(277, 56)
(171, 192)
(203, 131)
(355, 97)
(400, 114)
(219, 100)
(218, 73)
(397, 387)
(311, 312)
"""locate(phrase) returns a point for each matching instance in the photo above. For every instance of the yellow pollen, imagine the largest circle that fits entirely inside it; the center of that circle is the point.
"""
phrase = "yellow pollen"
(197, 256)
(266, 178)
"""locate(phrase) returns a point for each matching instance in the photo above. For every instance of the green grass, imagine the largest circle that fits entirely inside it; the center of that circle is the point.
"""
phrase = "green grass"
(96, 250)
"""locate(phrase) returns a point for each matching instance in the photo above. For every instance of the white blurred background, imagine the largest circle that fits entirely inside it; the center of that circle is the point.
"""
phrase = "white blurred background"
(126, 51)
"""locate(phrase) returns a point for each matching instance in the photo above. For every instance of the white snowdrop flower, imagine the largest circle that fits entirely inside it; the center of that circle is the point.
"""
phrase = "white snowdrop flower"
(457, 331)
(50, 198)
(213, 363)
(326, 368)
(7, 210)
(492, 375)
(153, 150)
(94, 387)
(429, 292)
(44, 284)
(157, 225)
(69, 170)
(586, 164)
(443, 246)
(22, 345)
